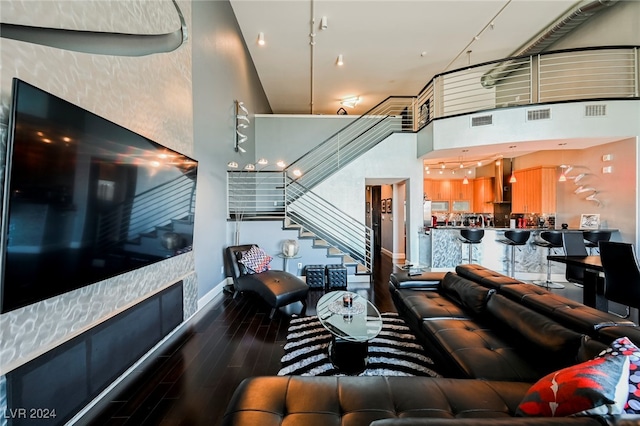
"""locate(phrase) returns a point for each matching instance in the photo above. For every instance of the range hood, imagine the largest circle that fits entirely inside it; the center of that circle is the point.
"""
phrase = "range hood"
(502, 191)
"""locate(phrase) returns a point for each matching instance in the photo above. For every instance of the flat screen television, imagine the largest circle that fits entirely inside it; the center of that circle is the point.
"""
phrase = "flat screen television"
(85, 199)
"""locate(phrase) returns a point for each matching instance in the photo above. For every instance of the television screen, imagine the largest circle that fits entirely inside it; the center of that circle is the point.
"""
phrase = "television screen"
(85, 199)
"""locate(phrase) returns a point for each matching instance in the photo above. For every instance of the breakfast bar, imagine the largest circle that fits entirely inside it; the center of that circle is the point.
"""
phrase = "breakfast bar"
(442, 249)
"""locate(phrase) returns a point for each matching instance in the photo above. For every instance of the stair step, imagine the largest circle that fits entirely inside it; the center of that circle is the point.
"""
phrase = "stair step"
(320, 244)
(362, 270)
(335, 252)
(306, 235)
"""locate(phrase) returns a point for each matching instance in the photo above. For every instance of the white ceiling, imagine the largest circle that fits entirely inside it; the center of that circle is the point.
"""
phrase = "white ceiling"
(390, 47)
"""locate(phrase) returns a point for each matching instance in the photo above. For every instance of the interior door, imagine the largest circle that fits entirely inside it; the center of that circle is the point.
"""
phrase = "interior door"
(375, 218)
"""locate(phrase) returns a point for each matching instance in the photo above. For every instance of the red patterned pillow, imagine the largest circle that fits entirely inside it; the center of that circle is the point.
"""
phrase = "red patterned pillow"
(625, 347)
(256, 260)
(598, 386)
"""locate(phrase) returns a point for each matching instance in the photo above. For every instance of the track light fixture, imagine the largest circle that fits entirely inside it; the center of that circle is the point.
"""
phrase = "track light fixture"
(340, 61)
(261, 41)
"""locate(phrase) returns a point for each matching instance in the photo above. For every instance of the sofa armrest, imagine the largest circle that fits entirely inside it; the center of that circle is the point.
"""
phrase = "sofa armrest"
(425, 280)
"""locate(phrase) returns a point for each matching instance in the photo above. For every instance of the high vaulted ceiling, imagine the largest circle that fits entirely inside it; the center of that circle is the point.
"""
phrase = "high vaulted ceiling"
(389, 47)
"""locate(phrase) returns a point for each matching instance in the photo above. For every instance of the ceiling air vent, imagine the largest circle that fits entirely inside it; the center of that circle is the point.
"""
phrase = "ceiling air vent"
(599, 110)
(482, 120)
(539, 114)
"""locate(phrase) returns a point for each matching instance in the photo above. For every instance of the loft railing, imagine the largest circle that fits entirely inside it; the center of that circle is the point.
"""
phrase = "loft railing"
(156, 207)
(568, 75)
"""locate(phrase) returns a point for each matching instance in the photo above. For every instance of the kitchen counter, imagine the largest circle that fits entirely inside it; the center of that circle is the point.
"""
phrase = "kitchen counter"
(441, 249)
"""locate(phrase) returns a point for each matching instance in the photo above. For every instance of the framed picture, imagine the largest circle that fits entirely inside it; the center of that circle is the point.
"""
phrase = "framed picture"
(388, 205)
(383, 206)
(589, 221)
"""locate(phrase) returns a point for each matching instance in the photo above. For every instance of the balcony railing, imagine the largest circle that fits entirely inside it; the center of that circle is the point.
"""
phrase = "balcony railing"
(570, 75)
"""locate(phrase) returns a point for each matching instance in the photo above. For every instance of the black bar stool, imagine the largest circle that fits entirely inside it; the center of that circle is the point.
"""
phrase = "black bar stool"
(471, 236)
(593, 237)
(550, 240)
(513, 238)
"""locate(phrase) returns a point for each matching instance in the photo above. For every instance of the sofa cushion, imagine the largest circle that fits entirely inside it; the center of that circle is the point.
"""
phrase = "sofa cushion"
(421, 304)
(598, 386)
(466, 293)
(472, 350)
(624, 347)
(541, 334)
(405, 279)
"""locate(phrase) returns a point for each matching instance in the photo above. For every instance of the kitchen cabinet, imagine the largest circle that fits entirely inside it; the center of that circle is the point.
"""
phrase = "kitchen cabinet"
(483, 195)
(452, 191)
(534, 190)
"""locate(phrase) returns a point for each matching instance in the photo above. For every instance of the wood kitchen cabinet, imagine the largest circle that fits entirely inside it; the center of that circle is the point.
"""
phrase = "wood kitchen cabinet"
(483, 195)
(451, 190)
(440, 190)
(534, 191)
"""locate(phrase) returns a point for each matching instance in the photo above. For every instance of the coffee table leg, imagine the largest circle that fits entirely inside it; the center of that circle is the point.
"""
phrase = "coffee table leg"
(348, 357)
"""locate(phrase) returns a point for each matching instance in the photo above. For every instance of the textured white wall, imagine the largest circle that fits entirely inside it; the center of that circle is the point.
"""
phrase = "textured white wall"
(150, 95)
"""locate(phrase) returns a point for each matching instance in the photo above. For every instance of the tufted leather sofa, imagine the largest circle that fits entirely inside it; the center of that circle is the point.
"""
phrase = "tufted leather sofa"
(481, 324)
(492, 335)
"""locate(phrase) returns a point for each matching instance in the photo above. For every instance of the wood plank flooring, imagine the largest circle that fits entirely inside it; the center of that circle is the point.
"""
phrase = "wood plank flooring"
(191, 383)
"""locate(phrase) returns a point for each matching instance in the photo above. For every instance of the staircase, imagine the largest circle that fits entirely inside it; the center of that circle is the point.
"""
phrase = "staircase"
(255, 194)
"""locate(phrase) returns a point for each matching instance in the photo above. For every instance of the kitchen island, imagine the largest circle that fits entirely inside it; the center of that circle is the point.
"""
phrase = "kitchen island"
(442, 250)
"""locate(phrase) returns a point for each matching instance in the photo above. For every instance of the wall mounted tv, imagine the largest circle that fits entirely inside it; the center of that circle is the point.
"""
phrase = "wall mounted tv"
(85, 199)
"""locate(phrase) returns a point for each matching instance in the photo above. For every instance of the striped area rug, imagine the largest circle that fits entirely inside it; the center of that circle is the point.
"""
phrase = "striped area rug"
(394, 352)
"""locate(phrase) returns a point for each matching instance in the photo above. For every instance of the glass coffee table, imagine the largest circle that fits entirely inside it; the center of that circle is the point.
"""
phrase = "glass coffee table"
(352, 321)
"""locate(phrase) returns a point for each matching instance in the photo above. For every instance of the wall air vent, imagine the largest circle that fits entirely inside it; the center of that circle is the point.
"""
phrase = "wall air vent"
(539, 114)
(598, 110)
(482, 120)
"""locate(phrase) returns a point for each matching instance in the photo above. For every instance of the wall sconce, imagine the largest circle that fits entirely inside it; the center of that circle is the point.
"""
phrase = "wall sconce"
(242, 122)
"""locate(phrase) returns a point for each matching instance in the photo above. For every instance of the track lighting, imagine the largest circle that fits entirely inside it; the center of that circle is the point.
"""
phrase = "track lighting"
(232, 165)
(323, 23)
(339, 61)
(261, 41)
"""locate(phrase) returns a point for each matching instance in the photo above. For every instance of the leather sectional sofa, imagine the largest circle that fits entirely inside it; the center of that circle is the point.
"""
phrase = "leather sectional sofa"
(491, 336)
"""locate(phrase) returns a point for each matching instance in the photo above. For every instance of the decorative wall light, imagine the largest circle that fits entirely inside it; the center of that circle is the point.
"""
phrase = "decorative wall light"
(242, 122)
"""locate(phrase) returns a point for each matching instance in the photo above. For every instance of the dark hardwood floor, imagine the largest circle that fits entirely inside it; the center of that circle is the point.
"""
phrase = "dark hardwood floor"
(192, 382)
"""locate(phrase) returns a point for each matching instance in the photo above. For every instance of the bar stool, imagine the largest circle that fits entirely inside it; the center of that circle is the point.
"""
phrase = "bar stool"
(593, 237)
(513, 238)
(550, 240)
(471, 236)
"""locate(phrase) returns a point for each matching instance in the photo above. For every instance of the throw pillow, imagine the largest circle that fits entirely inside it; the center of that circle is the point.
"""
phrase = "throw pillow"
(598, 386)
(625, 347)
(256, 260)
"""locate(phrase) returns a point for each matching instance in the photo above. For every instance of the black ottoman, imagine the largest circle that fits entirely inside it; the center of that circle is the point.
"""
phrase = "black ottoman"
(315, 276)
(336, 277)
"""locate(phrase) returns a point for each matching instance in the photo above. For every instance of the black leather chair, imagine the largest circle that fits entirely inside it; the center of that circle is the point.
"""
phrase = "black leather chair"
(549, 240)
(621, 274)
(471, 236)
(573, 244)
(280, 289)
(593, 237)
(513, 238)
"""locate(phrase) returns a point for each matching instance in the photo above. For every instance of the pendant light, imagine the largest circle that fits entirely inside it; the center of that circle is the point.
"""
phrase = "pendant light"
(465, 181)
(512, 179)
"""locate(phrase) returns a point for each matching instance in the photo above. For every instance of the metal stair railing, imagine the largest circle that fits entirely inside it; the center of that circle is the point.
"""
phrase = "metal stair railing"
(395, 114)
(156, 207)
(322, 218)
